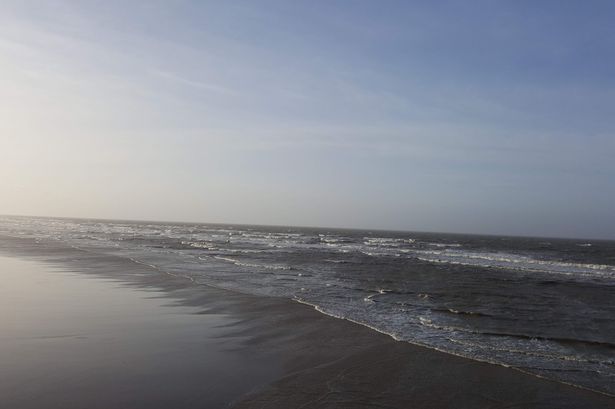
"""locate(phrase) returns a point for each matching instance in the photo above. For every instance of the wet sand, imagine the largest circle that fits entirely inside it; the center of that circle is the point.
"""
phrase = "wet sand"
(73, 341)
(85, 330)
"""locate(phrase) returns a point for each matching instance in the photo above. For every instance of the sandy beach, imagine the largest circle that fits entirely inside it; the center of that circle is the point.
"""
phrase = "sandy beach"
(81, 329)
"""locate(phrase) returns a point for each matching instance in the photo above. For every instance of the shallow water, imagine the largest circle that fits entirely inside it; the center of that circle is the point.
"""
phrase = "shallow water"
(545, 306)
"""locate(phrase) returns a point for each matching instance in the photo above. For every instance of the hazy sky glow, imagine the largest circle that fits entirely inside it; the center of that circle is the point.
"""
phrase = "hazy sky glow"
(481, 116)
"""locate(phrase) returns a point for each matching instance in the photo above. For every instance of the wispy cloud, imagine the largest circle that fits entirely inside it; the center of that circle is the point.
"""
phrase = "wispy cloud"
(205, 86)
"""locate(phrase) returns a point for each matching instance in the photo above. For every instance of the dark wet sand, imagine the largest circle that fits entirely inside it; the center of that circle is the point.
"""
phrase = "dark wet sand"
(133, 337)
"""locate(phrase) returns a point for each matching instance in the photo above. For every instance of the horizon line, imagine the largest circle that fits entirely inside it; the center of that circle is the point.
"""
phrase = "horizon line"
(307, 227)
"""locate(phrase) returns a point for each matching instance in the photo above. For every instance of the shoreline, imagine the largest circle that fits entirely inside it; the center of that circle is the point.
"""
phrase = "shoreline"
(317, 308)
(320, 354)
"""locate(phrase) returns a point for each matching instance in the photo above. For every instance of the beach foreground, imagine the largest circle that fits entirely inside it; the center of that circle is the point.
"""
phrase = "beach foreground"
(83, 329)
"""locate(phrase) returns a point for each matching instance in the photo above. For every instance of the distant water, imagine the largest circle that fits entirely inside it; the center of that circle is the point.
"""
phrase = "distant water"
(544, 306)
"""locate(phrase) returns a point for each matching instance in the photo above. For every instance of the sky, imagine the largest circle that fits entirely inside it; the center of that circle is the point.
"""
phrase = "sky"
(492, 117)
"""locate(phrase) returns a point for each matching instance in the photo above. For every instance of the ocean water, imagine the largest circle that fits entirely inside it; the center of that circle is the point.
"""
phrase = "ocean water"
(542, 306)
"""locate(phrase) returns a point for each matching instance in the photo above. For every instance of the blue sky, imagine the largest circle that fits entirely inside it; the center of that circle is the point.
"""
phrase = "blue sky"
(481, 117)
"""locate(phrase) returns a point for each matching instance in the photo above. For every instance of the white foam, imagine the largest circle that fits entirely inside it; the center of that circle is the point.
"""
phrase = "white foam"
(512, 261)
(254, 265)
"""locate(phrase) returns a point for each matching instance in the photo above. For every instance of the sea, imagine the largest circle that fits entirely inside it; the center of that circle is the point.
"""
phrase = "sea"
(543, 306)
